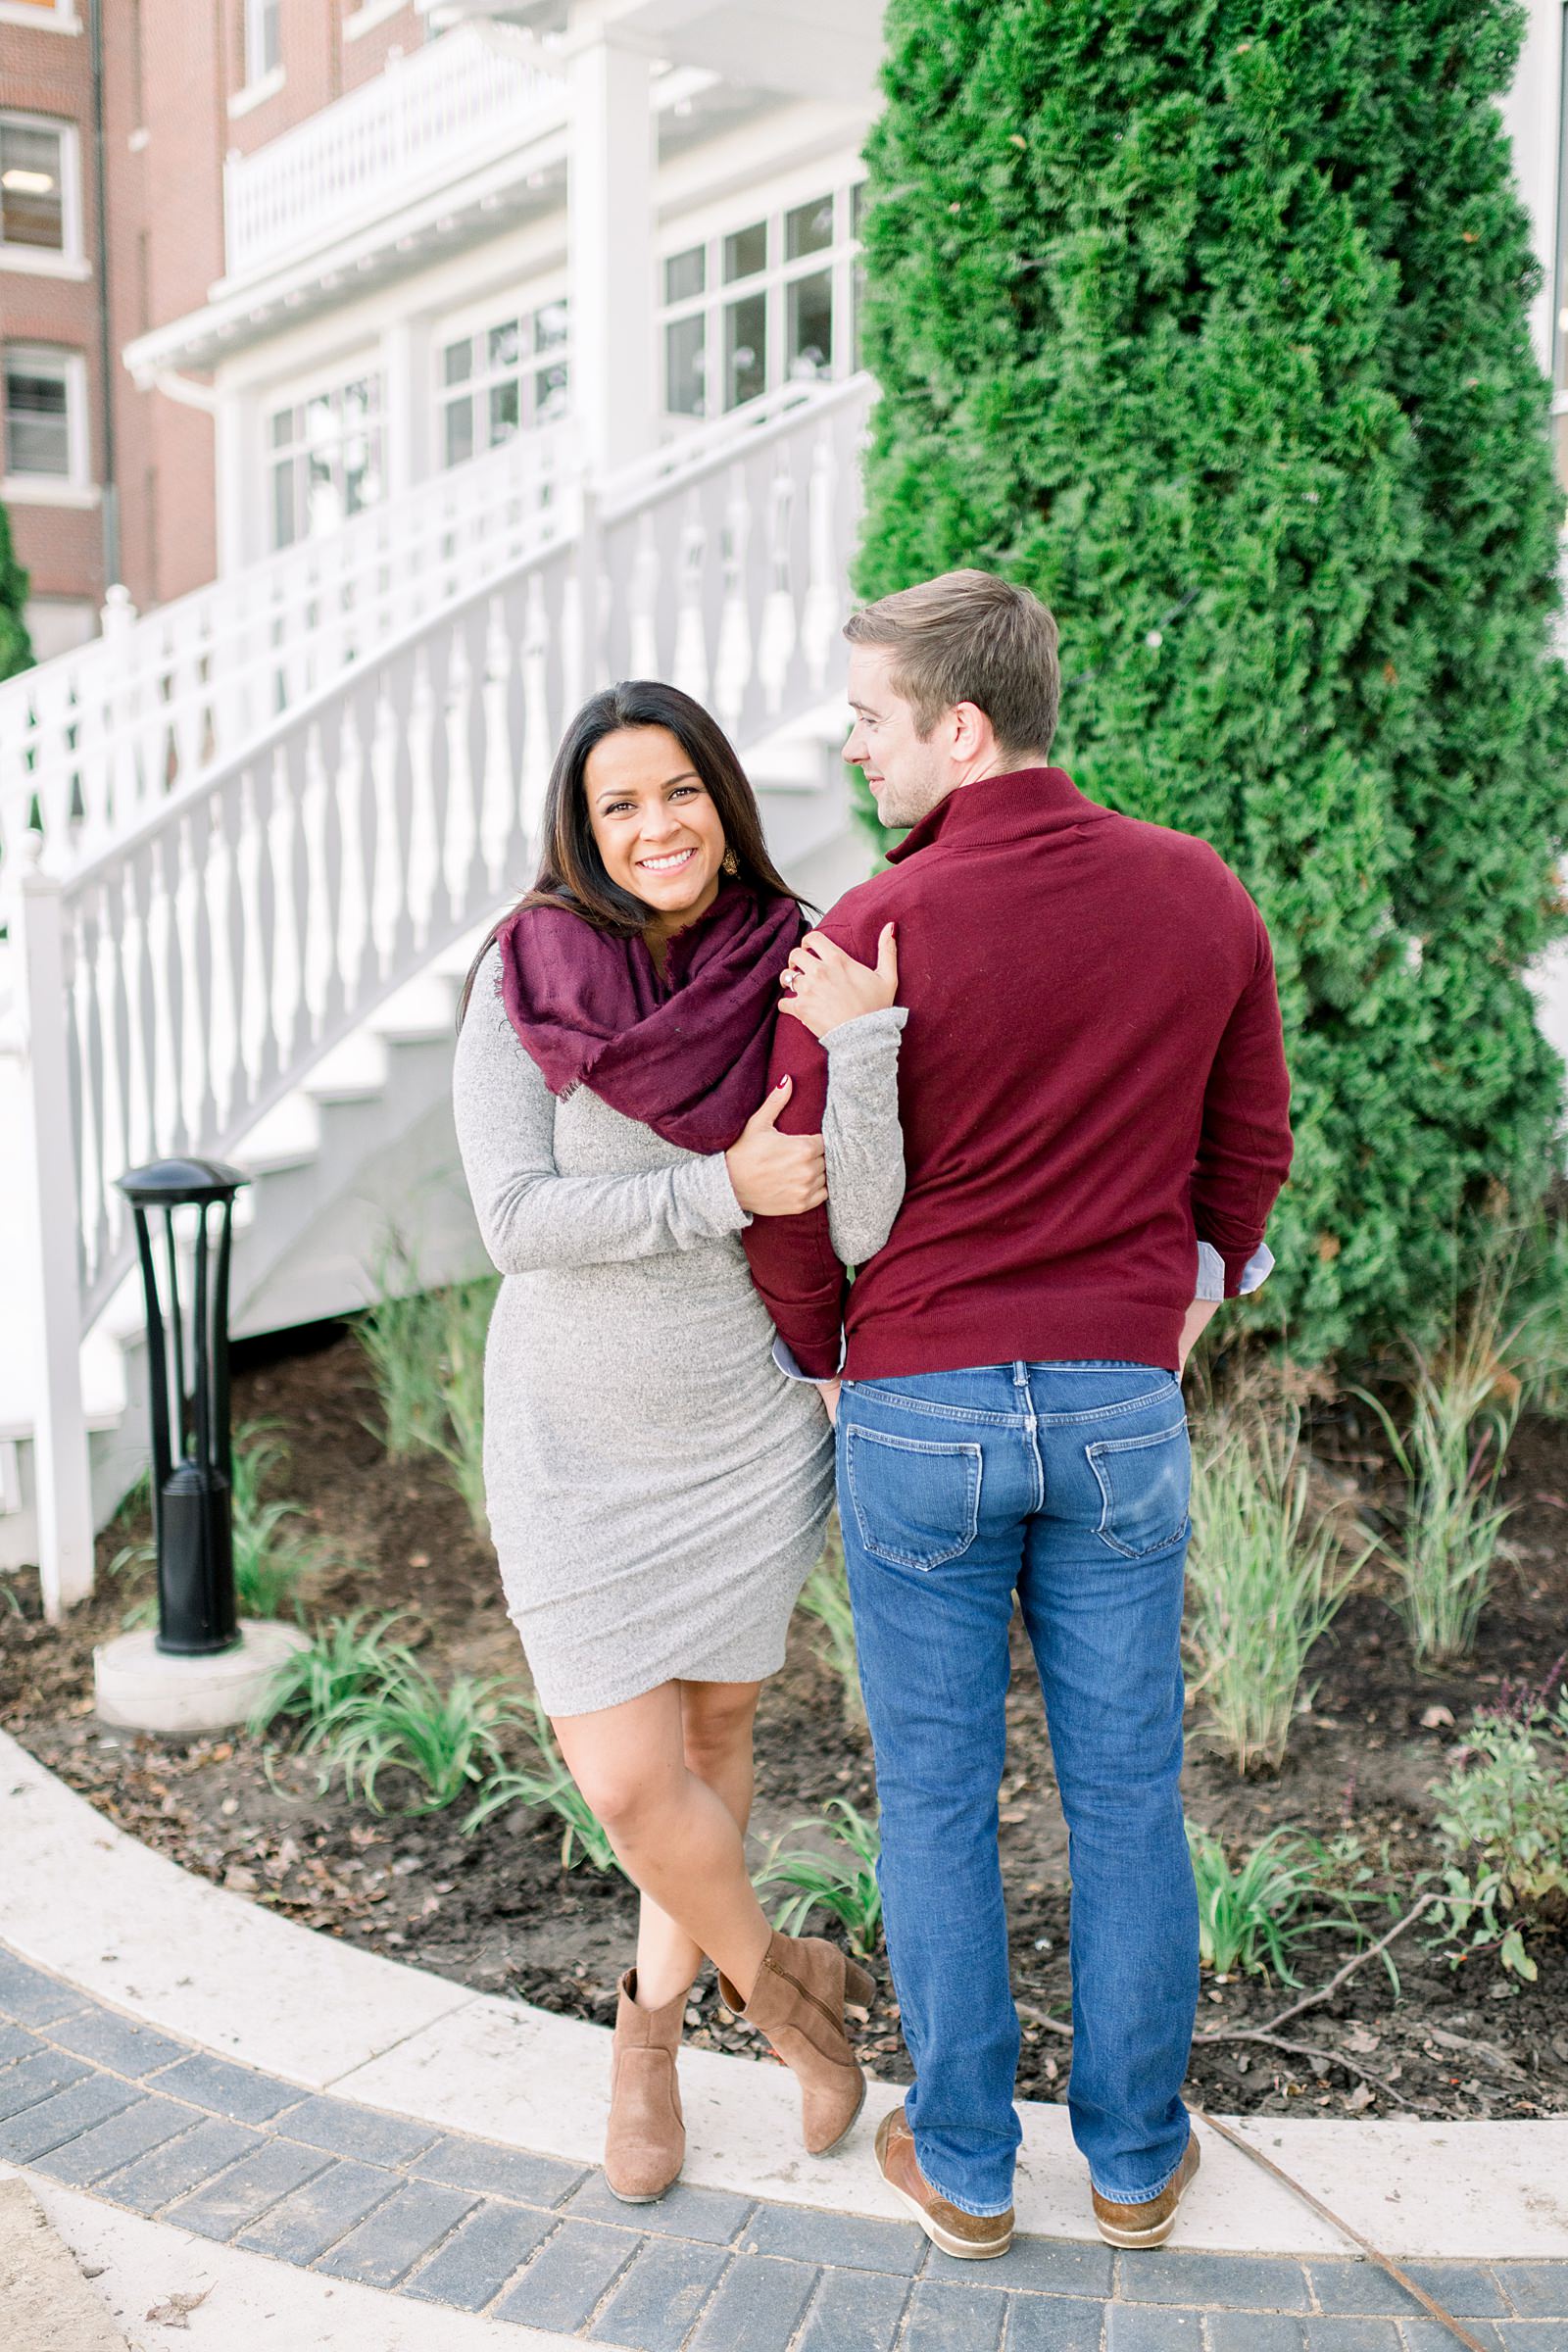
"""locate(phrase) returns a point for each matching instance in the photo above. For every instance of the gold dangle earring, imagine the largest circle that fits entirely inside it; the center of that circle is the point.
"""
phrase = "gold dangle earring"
(730, 863)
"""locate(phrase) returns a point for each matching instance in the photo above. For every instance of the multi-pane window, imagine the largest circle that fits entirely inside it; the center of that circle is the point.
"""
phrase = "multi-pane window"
(38, 206)
(500, 378)
(44, 413)
(326, 459)
(263, 38)
(768, 303)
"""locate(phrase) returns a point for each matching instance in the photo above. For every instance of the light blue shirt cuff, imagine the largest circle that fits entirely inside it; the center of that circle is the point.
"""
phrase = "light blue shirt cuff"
(1211, 1272)
(783, 1356)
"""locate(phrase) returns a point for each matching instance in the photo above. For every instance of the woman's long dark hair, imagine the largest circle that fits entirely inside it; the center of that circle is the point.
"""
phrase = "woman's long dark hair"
(571, 872)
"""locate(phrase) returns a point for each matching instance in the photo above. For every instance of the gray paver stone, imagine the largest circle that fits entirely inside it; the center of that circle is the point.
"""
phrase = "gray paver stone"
(361, 2131)
(316, 2216)
(1538, 2290)
(474, 2264)
(478, 2164)
(1213, 2282)
(1535, 2335)
(38, 2078)
(757, 2307)
(839, 2239)
(1359, 2287)
(853, 2313)
(1056, 2266)
(144, 2124)
(1465, 2288)
(654, 2305)
(1151, 2327)
(116, 2042)
(150, 2181)
(31, 1996)
(1430, 2336)
(710, 2215)
(414, 2219)
(1352, 2335)
(236, 2091)
(31, 2135)
(242, 2195)
(17, 2042)
(1254, 2331)
(569, 2275)
(1053, 2323)
(953, 2319)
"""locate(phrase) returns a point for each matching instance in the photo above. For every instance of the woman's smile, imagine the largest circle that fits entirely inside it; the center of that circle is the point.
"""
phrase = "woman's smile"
(667, 861)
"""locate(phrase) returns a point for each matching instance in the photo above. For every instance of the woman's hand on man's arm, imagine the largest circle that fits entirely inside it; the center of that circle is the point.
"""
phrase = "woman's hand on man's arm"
(822, 986)
(775, 1175)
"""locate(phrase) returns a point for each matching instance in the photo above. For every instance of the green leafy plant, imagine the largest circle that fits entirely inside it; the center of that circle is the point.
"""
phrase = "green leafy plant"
(841, 1879)
(1463, 1406)
(1252, 1913)
(343, 1661)
(1502, 1814)
(271, 1557)
(401, 1336)
(1264, 1583)
(549, 1784)
(466, 1310)
(826, 1598)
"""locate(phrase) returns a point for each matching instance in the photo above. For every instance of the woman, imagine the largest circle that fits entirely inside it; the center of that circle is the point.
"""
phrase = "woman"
(657, 1490)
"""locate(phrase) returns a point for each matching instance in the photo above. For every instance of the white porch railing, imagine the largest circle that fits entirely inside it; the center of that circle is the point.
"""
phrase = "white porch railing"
(435, 115)
(93, 739)
(181, 979)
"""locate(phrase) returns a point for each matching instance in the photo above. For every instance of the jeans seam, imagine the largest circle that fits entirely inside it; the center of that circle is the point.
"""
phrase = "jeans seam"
(993, 1420)
(1144, 2196)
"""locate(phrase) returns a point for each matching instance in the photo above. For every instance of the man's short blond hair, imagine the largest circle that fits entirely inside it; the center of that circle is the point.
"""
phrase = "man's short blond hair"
(970, 637)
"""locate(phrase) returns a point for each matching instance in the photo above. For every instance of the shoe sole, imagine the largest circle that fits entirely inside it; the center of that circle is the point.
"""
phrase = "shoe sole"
(651, 2198)
(1129, 2241)
(961, 2248)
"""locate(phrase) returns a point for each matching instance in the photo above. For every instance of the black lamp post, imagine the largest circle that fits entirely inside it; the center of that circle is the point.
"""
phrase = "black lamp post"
(192, 1461)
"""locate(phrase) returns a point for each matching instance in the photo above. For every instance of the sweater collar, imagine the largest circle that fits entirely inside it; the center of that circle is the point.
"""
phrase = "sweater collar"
(1011, 807)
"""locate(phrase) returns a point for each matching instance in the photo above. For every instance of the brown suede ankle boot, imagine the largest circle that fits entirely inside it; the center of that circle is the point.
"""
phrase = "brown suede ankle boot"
(645, 2140)
(798, 2002)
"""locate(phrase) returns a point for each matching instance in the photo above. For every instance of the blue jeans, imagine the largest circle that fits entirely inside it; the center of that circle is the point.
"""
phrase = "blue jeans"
(1067, 1484)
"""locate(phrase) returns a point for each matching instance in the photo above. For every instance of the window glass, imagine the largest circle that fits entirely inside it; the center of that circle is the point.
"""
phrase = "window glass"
(685, 366)
(504, 345)
(810, 327)
(745, 348)
(489, 389)
(32, 201)
(550, 326)
(506, 410)
(686, 275)
(38, 418)
(457, 439)
(550, 397)
(809, 229)
(456, 362)
(264, 45)
(329, 460)
(746, 251)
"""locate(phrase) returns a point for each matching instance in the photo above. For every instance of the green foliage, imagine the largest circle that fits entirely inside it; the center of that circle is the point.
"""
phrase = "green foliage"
(1502, 1813)
(826, 1598)
(551, 1785)
(1251, 1914)
(841, 1879)
(271, 1557)
(1263, 1591)
(1463, 1406)
(16, 650)
(425, 1351)
(343, 1660)
(1210, 323)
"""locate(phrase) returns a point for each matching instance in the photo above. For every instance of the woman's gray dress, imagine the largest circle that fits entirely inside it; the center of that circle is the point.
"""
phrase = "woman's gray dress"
(657, 1488)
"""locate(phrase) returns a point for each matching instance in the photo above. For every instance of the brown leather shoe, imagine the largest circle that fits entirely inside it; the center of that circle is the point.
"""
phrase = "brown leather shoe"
(971, 2237)
(645, 2139)
(1151, 2223)
(797, 2002)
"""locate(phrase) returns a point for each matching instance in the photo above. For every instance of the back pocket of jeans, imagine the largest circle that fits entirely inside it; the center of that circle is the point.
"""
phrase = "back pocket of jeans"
(916, 1503)
(1145, 1489)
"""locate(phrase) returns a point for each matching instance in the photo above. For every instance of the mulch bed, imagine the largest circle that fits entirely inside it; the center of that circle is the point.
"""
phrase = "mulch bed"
(497, 1912)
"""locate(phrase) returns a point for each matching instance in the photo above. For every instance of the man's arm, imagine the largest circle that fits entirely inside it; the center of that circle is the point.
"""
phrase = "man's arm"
(1244, 1151)
(792, 1261)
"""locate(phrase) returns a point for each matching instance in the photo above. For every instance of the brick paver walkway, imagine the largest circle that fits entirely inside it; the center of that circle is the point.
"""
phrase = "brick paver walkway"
(152, 2123)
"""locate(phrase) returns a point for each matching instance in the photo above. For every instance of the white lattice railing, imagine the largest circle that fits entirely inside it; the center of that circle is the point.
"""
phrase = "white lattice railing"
(435, 115)
(187, 976)
(90, 740)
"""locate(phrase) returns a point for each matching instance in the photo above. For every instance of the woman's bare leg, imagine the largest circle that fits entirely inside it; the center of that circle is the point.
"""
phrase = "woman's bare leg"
(677, 1837)
(717, 1720)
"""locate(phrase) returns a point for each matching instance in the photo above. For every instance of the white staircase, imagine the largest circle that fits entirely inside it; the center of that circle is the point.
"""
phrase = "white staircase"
(276, 821)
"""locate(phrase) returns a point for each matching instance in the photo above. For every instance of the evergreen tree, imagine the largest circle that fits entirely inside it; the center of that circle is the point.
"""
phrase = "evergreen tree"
(15, 652)
(1209, 319)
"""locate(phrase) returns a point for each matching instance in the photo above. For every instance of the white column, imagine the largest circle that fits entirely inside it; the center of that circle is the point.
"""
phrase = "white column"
(609, 200)
(406, 399)
(1530, 110)
(244, 483)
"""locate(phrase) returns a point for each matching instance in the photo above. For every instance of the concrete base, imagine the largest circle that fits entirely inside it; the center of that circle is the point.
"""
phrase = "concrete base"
(49, 2306)
(136, 1684)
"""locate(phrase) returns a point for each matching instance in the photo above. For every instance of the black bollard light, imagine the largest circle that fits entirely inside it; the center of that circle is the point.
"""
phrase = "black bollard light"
(192, 1459)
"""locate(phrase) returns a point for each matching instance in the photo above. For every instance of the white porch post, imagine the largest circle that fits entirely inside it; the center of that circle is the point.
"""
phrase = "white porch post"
(405, 397)
(62, 1476)
(244, 482)
(609, 199)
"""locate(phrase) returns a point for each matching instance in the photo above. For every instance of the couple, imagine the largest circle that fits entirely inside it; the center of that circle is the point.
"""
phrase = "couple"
(1046, 1166)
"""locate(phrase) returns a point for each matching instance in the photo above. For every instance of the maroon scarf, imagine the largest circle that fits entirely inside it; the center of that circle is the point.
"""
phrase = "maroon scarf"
(685, 1052)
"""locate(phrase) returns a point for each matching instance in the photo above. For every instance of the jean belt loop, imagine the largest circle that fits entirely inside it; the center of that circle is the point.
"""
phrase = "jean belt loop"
(1021, 1375)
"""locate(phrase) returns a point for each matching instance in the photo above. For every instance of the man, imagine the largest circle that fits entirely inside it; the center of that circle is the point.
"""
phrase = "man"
(1094, 1109)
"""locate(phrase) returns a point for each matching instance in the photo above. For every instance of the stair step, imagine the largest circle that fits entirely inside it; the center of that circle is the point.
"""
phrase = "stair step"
(420, 1011)
(354, 1072)
(288, 1136)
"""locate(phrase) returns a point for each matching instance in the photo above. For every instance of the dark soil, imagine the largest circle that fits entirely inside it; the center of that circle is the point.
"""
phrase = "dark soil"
(497, 1911)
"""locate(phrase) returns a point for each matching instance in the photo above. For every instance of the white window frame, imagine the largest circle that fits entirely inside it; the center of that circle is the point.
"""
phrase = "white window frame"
(837, 260)
(41, 16)
(75, 486)
(368, 14)
(262, 80)
(324, 384)
(475, 324)
(43, 261)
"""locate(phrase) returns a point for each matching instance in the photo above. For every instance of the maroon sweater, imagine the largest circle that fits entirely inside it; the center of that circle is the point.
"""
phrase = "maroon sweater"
(1091, 1079)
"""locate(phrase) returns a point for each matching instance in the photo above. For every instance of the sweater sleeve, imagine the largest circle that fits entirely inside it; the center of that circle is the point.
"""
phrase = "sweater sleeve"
(794, 1263)
(530, 1217)
(1244, 1151)
(861, 1136)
